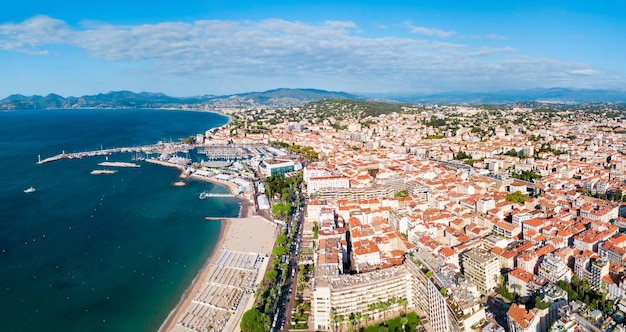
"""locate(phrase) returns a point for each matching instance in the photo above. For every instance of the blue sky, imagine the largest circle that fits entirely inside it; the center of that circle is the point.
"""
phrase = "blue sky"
(197, 47)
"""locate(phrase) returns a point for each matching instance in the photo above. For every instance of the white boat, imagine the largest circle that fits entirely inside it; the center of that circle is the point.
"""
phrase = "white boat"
(29, 190)
(203, 195)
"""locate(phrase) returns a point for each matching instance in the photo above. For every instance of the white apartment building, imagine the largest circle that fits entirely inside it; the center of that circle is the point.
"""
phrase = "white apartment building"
(315, 172)
(554, 269)
(335, 294)
(316, 183)
(484, 205)
(482, 268)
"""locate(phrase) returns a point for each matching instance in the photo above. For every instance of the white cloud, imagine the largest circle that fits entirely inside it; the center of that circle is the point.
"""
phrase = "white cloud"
(584, 72)
(496, 37)
(275, 51)
(486, 51)
(429, 31)
(32, 33)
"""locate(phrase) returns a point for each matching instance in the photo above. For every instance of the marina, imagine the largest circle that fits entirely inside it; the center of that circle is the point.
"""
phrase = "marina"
(218, 155)
(138, 152)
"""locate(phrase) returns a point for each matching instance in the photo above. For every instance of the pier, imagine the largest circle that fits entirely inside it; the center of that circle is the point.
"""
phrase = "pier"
(147, 149)
(220, 195)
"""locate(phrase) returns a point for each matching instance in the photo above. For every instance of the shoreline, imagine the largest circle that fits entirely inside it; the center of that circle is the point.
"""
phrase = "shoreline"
(170, 321)
(247, 207)
(247, 234)
(248, 237)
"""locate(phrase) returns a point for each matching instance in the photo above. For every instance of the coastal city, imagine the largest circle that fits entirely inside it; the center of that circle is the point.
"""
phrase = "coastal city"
(340, 166)
(362, 216)
(435, 218)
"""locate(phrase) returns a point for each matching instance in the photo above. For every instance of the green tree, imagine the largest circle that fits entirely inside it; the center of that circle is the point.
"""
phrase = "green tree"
(462, 155)
(281, 239)
(366, 318)
(512, 153)
(281, 209)
(402, 193)
(279, 251)
(359, 318)
(517, 197)
(405, 303)
(540, 304)
(526, 175)
(271, 274)
(404, 321)
(254, 321)
(286, 195)
(339, 320)
(617, 195)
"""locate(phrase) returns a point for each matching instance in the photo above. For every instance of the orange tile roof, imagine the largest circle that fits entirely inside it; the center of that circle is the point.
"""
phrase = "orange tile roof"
(522, 275)
(521, 316)
(534, 222)
(447, 252)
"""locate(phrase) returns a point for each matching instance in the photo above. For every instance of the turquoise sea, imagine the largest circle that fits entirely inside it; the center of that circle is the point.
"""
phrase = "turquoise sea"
(98, 253)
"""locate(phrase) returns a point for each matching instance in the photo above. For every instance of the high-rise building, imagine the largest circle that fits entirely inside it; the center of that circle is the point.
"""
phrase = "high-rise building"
(598, 269)
(482, 268)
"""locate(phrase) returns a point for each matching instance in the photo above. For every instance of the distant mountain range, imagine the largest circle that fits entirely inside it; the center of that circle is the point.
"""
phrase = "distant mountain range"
(546, 95)
(127, 99)
(299, 97)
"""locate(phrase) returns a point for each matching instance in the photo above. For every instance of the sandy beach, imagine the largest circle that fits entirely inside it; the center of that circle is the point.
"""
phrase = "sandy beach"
(224, 289)
(250, 241)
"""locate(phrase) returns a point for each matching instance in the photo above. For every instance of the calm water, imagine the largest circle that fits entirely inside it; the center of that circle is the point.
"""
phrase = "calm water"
(98, 253)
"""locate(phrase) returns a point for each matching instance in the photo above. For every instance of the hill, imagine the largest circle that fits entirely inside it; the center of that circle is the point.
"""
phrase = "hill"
(279, 98)
(546, 95)
(128, 99)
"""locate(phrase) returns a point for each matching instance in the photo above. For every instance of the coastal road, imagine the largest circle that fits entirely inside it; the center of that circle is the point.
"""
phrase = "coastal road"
(292, 281)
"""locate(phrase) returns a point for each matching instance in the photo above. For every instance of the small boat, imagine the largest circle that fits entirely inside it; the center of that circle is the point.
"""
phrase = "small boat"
(29, 190)
(203, 195)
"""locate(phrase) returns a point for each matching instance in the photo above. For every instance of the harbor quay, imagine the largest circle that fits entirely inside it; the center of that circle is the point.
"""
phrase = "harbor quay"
(145, 149)
(217, 155)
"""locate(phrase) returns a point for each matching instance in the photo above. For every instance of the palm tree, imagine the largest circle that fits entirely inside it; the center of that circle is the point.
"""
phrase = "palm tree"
(366, 317)
(349, 324)
(517, 289)
(404, 321)
(359, 317)
(405, 304)
(384, 307)
(584, 285)
(339, 320)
